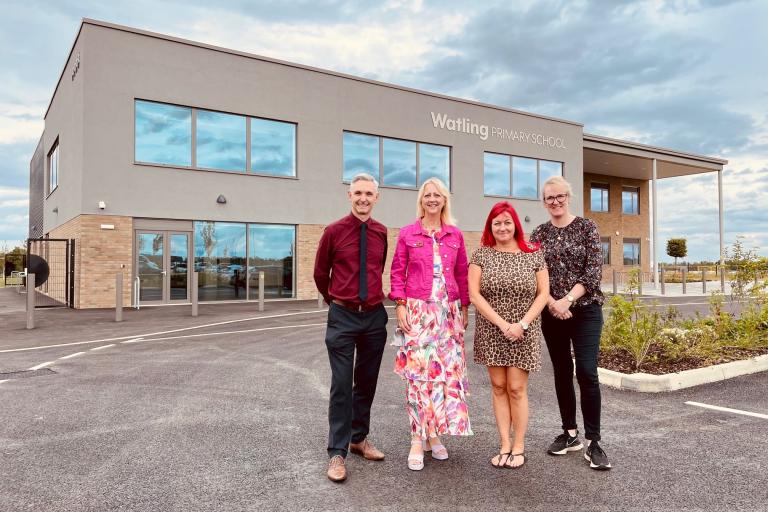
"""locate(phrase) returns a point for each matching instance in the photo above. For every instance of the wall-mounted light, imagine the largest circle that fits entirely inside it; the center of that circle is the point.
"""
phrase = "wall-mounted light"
(55, 209)
(221, 199)
(617, 233)
(102, 205)
(527, 218)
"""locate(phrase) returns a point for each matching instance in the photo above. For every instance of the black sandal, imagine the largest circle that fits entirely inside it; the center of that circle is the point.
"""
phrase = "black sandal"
(512, 456)
(501, 464)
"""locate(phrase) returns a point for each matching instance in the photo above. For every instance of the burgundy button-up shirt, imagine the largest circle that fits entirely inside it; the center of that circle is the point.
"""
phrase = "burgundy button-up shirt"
(337, 263)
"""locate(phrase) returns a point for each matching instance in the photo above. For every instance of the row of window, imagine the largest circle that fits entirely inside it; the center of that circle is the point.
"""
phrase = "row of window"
(630, 250)
(599, 202)
(515, 176)
(395, 162)
(204, 139)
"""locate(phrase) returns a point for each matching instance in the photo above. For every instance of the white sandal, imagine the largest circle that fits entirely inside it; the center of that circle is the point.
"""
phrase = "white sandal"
(416, 462)
(439, 451)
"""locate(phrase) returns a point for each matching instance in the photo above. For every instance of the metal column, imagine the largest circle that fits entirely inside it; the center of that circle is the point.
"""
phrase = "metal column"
(655, 230)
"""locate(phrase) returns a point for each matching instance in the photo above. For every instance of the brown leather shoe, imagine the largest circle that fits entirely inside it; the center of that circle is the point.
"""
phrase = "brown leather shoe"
(366, 449)
(337, 471)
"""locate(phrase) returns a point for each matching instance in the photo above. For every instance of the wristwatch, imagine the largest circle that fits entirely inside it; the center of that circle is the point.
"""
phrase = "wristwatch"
(524, 325)
(570, 298)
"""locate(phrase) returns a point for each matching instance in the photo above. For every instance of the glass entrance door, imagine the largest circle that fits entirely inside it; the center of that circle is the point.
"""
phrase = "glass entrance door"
(162, 263)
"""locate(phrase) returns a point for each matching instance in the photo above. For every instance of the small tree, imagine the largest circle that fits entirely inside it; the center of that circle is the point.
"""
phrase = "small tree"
(676, 247)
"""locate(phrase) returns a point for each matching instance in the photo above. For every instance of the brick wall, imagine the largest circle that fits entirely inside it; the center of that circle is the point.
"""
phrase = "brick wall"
(613, 221)
(308, 237)
(99, 255)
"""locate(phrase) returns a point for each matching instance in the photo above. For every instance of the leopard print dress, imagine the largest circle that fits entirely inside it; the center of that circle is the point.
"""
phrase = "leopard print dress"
(508, 283)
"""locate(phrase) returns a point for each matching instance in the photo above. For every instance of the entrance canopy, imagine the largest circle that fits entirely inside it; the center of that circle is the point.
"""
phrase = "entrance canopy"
(613, 157)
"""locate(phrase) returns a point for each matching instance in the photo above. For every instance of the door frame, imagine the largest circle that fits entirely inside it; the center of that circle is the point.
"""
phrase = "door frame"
(166, 269)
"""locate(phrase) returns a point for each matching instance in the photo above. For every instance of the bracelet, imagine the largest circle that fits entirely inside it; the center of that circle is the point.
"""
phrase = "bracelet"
(400, 302)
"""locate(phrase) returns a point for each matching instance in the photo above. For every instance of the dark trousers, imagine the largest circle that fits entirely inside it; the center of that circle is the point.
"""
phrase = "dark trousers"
(353, 377)
(583, 332)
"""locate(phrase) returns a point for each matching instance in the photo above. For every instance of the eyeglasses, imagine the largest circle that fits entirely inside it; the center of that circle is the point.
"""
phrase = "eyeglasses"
(560, 198)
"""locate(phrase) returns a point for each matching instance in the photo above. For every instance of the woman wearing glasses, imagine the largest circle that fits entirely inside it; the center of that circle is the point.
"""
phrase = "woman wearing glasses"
(573, 317)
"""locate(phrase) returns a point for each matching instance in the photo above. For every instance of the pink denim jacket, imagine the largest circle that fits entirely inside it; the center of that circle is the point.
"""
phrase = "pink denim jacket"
(411, 273)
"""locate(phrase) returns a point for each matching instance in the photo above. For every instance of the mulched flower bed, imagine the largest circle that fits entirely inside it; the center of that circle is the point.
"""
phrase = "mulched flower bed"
(657, 364)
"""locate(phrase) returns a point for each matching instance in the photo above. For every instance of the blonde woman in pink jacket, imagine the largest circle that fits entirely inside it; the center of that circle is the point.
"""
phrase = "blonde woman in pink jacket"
(429, 287)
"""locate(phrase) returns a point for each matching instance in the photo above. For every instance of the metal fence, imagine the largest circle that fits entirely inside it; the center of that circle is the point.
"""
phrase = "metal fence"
(58, 258)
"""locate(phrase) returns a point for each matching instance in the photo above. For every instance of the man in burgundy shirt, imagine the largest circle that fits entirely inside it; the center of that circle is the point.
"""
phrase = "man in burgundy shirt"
(357, 321)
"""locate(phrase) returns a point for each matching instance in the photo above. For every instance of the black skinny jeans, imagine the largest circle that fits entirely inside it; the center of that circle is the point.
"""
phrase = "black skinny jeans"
(583, 331)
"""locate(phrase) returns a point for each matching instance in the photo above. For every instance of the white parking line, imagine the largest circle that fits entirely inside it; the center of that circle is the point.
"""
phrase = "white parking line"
(133, 341)
(118, 338)
(103, 346)
(5, 380)
(70, 356)
(236, 332)
(727, 409)
(41, 365)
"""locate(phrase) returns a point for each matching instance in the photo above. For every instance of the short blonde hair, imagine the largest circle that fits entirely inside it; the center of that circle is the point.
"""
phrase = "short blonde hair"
(557, 181)
(445, 215)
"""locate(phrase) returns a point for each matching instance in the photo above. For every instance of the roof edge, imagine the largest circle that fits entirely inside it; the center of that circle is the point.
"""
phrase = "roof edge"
(157, 35)
(64, 67)
(657, 149)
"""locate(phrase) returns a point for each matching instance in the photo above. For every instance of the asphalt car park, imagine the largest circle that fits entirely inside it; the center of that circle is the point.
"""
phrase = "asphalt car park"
(228, 411)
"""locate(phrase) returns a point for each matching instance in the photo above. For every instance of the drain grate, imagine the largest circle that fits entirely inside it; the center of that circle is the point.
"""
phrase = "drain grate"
(25, 374)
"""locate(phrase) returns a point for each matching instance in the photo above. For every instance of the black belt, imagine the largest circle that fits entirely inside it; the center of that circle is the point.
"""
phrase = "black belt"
(356, 306)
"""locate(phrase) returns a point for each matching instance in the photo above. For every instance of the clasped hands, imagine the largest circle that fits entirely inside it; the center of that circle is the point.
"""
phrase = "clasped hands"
(560, 309)
(513, 332)
(403, 322)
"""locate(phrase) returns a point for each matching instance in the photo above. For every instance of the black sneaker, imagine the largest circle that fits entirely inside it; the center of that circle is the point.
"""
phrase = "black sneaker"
(597, 457)
(564, 443)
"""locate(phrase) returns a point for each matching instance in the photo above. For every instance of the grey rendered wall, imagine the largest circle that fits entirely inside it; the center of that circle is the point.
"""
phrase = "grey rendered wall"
(36, 191)
(64, 120)
(123, 65)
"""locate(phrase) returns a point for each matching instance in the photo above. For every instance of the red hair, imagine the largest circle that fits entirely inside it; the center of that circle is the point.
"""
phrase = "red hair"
(488, 239)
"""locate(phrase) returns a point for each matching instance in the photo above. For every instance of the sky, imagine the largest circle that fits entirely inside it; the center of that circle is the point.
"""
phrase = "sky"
(690, 75)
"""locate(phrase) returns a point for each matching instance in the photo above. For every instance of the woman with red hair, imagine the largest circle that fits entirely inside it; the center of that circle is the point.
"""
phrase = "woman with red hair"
(509, 286)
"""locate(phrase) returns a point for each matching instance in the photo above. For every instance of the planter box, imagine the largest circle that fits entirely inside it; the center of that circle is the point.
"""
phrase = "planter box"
(647, 383)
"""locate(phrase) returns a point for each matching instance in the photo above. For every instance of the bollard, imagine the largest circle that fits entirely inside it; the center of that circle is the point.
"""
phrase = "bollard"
(193, 294)
(685, 279)
(722, 279)
(30, 301)
(261, 291)
(661, 280)
(704, 282)
(319, 300)
(119, 297)
(640, 283)
(615, 286)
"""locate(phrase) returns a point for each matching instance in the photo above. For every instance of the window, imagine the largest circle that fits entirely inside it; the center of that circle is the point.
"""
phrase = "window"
(605, 248)
(524, 177)
(273, 147)
(220, 141)
(599, 197)
(515, 176)
(229, 257)
(271, 250)
(399, 163)
(395, 162)
(496, 176)
(630, 200)
(53, 167)
(434, 162)
(631, 251)
(163, 134)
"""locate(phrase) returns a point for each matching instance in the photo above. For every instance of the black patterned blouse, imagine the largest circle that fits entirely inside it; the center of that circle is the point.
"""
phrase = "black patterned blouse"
(573, 255)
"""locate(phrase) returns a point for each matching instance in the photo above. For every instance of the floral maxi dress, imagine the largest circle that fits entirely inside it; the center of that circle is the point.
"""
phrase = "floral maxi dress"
(432, 362)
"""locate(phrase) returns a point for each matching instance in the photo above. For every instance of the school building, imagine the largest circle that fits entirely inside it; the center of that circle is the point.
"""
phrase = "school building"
(162, 156)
